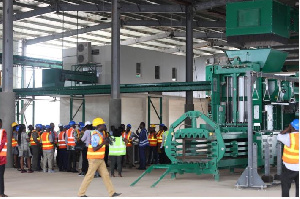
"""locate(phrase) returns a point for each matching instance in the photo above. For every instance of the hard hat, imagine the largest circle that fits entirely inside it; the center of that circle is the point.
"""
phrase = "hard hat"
(59, 125)
(48, 127)
(87, 123)
(14, 124)
(67, 126)
(71, 123)
(129, 125)
(81, 124)
(162, 125)
(152, 125)
(97, 121)
(295, 124)
(17, 128)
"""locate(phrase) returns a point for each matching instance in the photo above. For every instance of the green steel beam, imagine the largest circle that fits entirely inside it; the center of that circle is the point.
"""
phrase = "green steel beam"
(125, 88)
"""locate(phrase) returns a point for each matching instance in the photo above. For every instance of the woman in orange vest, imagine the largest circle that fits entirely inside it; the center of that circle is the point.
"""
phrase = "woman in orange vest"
(290, 171)
(3, 149)
(153, 146)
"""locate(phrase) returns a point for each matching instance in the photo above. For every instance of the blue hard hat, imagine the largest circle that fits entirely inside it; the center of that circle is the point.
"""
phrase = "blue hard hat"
(17, 128)
(129, 125)
(67, 126)
(48, 127)
(38, 126)
(295, 124)
(71, 123)
(81, 124)
(162, 125)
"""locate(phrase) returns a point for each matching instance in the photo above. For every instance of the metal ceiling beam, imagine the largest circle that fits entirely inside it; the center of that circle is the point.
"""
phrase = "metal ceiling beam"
(127, 23)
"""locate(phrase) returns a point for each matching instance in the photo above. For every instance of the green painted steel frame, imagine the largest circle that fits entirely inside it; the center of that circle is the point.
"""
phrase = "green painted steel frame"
(149, 110)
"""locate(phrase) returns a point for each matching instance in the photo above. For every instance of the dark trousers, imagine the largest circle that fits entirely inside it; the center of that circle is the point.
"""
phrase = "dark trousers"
(142, 154)
(129, 156)
(287, 177)
(152, 158)
(106, 155)
(71, 159)
(57, 157)
(2, 170)
(85, 163)
(35, 150)
(62, 159)
(116, 160)
(40, 158)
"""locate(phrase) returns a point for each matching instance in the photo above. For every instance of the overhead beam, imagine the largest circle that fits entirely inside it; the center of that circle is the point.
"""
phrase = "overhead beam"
(127, 23)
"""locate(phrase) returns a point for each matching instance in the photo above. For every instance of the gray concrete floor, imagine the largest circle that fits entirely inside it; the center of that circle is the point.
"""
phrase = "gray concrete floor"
(62, 184)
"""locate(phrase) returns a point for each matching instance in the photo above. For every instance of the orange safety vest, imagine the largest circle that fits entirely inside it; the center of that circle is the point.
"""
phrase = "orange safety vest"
(71, 138)
(55, 137)
(159, 136)
(129, 144)
(61, 140)
(100, 153)
(4, 149)
(32, 142)
(291, 154)
(46, 144)
(14, 142)
(152, 140)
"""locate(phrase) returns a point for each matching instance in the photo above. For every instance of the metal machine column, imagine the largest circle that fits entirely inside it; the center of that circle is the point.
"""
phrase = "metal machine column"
(7, 96)
(33, 97)
(250, 177)
(189, 106)
(115, 101)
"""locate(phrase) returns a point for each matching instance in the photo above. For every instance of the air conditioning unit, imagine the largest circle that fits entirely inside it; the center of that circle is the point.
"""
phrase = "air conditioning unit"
(84, 52)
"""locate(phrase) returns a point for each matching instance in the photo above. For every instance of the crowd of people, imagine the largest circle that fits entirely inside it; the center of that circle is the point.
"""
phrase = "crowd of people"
(41, 148)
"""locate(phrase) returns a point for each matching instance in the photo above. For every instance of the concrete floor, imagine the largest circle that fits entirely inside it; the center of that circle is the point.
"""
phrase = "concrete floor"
(62, 184)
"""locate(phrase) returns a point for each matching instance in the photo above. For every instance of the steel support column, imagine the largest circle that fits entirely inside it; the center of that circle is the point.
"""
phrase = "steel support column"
(7, 96)
(115, 101)
(189, 106)
(33, 97)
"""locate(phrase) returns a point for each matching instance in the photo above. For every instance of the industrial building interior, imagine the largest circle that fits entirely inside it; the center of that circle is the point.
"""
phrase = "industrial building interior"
(222, 75)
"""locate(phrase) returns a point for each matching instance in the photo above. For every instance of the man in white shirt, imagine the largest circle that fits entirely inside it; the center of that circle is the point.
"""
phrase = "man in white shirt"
(290, 172)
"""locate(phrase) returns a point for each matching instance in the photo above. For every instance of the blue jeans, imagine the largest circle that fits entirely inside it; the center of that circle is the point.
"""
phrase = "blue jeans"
(142, 153)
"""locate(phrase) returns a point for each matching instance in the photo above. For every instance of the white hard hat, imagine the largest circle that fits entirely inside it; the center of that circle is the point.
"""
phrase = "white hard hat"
(59, 125)
(87, 123)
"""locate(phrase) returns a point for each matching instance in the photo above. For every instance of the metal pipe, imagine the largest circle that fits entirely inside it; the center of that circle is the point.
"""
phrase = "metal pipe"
(234, 97)
(267, 159)
(115, 50)
(7, 59)
(279, 158)
(227, 100)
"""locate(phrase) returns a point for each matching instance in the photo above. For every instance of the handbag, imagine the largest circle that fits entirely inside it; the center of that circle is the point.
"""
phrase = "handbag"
(79, 146)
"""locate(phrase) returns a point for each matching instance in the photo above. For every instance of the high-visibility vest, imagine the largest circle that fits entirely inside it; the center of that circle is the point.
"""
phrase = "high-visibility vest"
(14, 142)
(127, 136)
(152, 140)
(32, 143)
(118, 147)
(159, 137)
(4, 149)
(291, 154)
(61, 140)
(55, 137)
(71, 138)
(46, 144)
(166, 135)
(100, 153)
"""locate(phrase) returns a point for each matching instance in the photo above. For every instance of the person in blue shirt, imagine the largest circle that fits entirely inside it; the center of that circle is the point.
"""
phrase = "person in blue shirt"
(143, 144)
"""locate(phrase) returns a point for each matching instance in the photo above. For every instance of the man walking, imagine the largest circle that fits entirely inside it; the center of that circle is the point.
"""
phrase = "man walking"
(129, 148)
(143, 144)
(95, 156)
(290, 171)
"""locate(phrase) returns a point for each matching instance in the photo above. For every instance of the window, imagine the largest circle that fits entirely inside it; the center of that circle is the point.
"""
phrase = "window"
(157, 72)
(174, 74)
(138, 69)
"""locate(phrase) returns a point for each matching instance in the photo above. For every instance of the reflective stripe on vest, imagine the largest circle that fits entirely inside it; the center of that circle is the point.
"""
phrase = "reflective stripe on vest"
(4, 149)
(118, 148)
(100, 153)
(32, 142)
(71, 138)
(152, 140)
(159, 136)
(14, 142)
(291, 154)
(128, 138)
(46, 144)
(61, 140)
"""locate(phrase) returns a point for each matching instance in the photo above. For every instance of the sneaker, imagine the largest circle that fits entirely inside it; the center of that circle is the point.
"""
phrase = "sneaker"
(23, 171)
(81, 174)
(84, 196)
(51, 171)
(29, 171)
(45, 171)
(116, 194)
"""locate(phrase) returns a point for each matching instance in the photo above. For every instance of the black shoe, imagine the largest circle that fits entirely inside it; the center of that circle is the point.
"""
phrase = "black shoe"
(69, 171)
(84, 196)
(116, 194)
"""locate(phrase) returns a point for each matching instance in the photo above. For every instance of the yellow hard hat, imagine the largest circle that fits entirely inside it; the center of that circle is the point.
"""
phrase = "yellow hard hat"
(97, 121)
(14, 124)
(152, 125)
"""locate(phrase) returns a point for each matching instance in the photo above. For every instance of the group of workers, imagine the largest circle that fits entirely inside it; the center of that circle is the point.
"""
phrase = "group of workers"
(95, 144)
